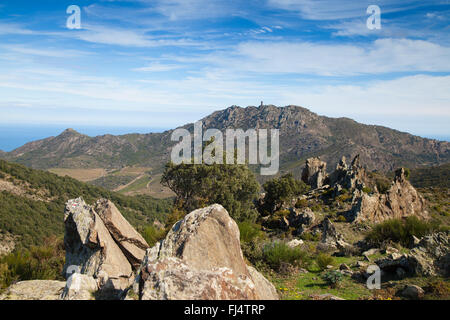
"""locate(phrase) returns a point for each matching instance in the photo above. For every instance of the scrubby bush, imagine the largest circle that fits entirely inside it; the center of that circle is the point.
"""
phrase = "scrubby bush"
(282, 213)
(333, 278)
(249, 231)
(301, 203)
(383, 185)
(281, 189)
(401, 231)
(253, 252)
(152, 235)
(309, 236)
(37, 263)
(366, 190)
(323, 260)
(278, 253)
(198, 185)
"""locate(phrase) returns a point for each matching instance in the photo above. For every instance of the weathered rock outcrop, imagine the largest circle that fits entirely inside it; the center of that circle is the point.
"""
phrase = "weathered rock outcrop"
(34, 290)
(91, 250)
(401, 200)
(299, 219)
(200, 258)
(315, 172)
(350, 178)
(330, 237)
(132, 244)
(428, 258)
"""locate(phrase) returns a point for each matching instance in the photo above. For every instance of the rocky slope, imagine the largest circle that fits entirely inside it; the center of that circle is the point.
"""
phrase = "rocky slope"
(303, 134)
(32, 204)
(200, 259)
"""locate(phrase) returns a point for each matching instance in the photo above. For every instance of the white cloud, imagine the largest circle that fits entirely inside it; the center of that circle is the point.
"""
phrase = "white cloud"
(158, 67)
(53, 53)
(345, 9)
(380, 56)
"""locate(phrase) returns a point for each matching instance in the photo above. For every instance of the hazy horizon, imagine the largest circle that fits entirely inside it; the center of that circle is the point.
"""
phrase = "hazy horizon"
(13, 136)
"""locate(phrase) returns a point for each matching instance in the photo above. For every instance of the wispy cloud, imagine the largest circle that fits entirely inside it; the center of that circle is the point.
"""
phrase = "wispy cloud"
(336, 10)
(158, 67)
(378, 57)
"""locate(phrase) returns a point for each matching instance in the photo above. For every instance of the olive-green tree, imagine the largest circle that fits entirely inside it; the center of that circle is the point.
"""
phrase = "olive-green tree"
(198, 185)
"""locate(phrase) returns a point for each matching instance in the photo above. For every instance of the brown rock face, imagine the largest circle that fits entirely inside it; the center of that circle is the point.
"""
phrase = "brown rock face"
(132, 244)
(207, 238)
(91, 250)
(201, 258)
(315, 172)
(401, 200)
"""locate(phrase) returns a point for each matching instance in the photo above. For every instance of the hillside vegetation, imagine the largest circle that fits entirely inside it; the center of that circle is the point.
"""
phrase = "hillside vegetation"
(436, 176)
(32, 203)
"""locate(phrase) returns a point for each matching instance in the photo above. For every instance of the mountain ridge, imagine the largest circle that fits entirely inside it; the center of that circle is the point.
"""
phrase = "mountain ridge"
(303, 134)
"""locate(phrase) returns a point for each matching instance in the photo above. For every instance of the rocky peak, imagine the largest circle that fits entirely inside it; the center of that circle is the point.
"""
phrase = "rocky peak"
(400, 176)
(69, 133)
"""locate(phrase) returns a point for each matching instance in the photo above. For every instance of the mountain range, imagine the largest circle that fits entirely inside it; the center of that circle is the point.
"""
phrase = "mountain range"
(303, 134)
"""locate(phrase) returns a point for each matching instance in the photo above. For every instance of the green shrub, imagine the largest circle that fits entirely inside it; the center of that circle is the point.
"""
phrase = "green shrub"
(401, 231)
(309, 236)
(281, 213)
(277, 253)
(199, 185)
(366, 190)
(323, 260)
(281, 189)
(333, 278)
(301, 203)
(152, 235)
(249, 231)
(37, 263)
(341, 218)
(253, 252)
(383, 185)
(407, 173)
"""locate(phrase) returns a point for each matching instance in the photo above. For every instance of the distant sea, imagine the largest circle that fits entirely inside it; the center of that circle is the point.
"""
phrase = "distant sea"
(14, 136)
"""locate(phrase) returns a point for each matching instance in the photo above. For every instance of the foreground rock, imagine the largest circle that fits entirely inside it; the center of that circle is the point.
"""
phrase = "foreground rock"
(80, 287)
(34, 290)
(91, 250)
(200, 258)
(132, 244)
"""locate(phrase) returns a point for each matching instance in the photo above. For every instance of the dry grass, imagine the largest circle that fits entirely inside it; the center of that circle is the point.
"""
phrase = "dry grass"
(83, 175)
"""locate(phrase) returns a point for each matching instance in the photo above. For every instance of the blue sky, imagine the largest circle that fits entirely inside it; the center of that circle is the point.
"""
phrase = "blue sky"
(163, 63)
